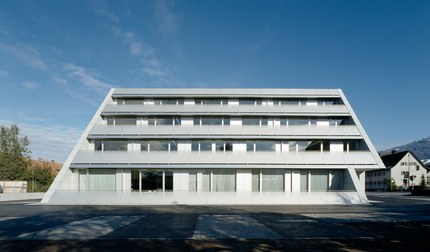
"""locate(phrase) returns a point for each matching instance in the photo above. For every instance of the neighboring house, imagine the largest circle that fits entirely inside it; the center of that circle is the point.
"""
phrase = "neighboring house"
(219, 146)
(403, 168)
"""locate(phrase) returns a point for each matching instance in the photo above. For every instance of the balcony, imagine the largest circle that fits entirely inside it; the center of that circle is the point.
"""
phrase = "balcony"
(138, 159)
(235, 132)
(230, 110)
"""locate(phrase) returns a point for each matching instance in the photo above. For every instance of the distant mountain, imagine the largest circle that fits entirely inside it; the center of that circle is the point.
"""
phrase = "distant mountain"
(420, 148)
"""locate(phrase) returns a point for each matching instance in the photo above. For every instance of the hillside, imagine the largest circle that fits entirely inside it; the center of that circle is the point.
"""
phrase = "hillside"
(420, 148)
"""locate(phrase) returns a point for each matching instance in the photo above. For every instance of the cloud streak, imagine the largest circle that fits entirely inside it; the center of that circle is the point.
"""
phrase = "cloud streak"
(151, 64)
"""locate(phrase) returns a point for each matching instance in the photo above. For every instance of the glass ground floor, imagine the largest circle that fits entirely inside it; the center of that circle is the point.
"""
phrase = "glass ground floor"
(214, 180)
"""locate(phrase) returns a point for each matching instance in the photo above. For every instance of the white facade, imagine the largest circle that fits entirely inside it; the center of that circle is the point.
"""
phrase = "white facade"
(219, 146)
(403, 168)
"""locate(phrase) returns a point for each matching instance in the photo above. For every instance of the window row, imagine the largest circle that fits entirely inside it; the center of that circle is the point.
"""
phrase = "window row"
(261, 121)
(228, 145)
(216, 180)
(226, 101)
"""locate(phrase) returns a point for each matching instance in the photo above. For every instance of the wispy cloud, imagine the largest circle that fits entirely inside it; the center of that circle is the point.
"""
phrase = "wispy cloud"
(151, 63)
(30, 85)
(4, 73)
(167, 20)
(28, 54)
(86, 78)
(49, 142)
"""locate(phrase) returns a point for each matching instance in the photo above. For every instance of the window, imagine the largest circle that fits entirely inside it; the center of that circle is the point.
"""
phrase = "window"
(255, 180)
(133, 101)
(224, 181)
(264, 146)
(110, 121)
(206, 181)
(197, 121)
(319, 180)
(192, 182)
(125, 121)
(173, 146)
(211, 120)
(226, 121)
(159, 145)
(298, 121)
(303, 145)
(144, 146)
(152, 180)
(98, 145)
(249, 146)
(246, 102)
(273, 180)
(115, 145)
(219, 146)
(250, 121)
(194, 146)
(304, 180)
(205, 146)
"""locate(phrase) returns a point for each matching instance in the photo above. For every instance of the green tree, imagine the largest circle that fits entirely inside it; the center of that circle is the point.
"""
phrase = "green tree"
(41, 176)
(14, 153)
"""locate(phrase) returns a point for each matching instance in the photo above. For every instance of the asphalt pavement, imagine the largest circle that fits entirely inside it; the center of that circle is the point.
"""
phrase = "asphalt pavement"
(392, 222)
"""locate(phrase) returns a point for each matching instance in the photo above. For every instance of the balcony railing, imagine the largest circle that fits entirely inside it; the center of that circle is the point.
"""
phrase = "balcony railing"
(215, 131)
(362, 159)
(231, 110)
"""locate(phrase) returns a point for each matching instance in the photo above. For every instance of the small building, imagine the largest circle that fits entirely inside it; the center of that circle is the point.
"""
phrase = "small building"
(403, 168)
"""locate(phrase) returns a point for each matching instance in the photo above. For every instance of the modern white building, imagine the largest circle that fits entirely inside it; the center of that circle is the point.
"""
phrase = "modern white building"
(219, 146)
(403, 168)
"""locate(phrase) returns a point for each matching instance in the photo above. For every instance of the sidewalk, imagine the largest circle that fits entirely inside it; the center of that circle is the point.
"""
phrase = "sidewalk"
(20, 196)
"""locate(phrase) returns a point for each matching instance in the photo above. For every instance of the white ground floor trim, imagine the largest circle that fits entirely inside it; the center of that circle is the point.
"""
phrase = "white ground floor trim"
(204, 198)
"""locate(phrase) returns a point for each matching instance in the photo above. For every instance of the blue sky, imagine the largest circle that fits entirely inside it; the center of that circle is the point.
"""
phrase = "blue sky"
(58, 59)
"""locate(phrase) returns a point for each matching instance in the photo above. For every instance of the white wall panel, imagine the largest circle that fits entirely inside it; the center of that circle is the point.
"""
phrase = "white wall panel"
(243, 180)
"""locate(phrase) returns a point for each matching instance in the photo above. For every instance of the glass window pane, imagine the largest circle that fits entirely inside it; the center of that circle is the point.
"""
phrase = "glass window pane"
(98, 145)
(83, 180)
(159, 145)
(246, 102)
(192, 182)
(224, 181)
(249, 146)
(195, 146)
(168, 181)
(177, 120)
(173, 146)
(264, 121)
(135, 180)
(289, 102)
(319, 180)
(101, 179)
(110, 121)
(298, 121)
(151, 121)
(169, 101)
(181, 101)
(133, 101)
(255, 180)
(292, 145)
(314, 146)
(211, 121)
(165, 121)
(304, 180)
(152, 180)
(264, 146)
(303, 145)
(226, 121)
(228, 146)
(205, 146)
(219, 146)
(273, 180)
(212, 101)
(115, 145)
(250, 121)
(144, 146)
(206, 181)
(125, 121)
(197, 121)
